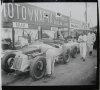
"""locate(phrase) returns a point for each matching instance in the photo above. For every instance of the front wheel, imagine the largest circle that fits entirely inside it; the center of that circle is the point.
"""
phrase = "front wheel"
(7, 62)
(38, 67)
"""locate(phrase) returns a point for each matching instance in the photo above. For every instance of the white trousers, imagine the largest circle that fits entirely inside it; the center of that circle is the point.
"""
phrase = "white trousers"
(50, 59)
(90, 46)
(83, 49)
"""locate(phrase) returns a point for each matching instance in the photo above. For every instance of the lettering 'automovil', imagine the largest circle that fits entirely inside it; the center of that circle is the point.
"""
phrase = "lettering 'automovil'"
(26, 13)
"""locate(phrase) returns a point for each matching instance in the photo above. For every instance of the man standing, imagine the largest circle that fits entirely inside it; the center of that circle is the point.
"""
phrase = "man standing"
(52, 54)
(58, 35)
(90, 41)
(83, 49)
(29, 38)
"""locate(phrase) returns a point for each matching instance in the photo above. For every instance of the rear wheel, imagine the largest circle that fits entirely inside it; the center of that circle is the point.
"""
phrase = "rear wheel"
(66, 56)
(38, 67)
(78, 50)
(73, 52)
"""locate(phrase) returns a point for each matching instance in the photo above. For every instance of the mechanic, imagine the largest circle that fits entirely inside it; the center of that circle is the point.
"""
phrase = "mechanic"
(51, 56)
(50, 62)
(83, 48)
(90, 41)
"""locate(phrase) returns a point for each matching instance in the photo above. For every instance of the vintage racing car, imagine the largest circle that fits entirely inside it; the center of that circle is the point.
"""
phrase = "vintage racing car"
(32, 58)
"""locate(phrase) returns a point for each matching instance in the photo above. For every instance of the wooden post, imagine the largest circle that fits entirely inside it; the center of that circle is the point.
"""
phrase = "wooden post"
(13, 38)
(69, 28)
(39, 32)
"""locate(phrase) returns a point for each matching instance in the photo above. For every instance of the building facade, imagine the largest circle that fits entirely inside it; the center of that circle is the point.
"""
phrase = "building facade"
(25, 20)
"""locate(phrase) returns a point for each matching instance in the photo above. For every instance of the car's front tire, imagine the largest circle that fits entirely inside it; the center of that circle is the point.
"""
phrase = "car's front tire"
(38, 67)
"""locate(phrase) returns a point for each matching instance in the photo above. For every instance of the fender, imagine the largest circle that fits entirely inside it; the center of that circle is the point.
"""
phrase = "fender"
(8, 51)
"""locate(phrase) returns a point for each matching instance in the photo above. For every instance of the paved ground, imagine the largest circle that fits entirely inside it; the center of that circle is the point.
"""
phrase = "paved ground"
(76, 72)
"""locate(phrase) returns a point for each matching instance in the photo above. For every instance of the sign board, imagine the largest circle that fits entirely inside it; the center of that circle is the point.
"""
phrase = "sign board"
(54, 28)
(32, 15)
(20, 25)
(75, 24)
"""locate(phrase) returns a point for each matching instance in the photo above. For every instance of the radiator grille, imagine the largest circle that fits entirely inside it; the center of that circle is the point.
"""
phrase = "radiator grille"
(17, 63)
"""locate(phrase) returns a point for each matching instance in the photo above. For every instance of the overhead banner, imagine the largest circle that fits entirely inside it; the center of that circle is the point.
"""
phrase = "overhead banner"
(29, 14)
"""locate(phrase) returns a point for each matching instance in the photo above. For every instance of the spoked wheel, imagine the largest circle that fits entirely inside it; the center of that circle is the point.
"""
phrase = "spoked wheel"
(7, 62)
(66, 56)
(38, 67)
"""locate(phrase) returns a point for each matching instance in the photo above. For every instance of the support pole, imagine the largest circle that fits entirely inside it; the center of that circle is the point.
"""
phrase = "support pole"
(69, 28)
(39, 32)
(86, 14)
(13, 38)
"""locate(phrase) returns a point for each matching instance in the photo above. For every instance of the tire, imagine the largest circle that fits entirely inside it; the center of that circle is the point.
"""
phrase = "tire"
(35, 70)
(7, 62)
(66, 56)
(78, 50)
(73, 52)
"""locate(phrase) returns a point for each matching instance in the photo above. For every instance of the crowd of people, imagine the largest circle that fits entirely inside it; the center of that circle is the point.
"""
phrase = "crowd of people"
(86, 42)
